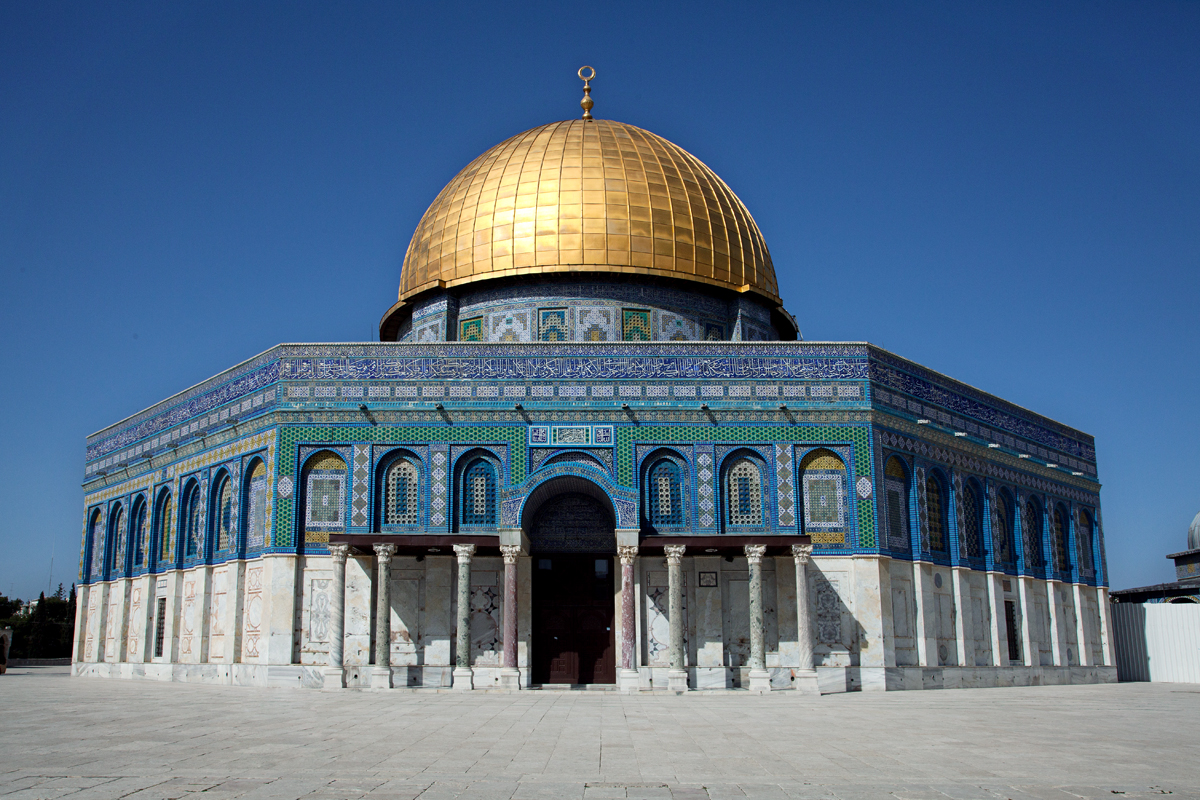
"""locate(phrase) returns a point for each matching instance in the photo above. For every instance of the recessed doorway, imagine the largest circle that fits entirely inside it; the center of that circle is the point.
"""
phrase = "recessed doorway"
(571, 545)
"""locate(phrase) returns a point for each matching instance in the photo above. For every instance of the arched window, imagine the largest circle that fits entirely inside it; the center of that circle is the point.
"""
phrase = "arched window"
(744, 495)
(402, 494)
(823, 493)
(193, 532)
(255, 515)
(1031, 534)
(1062, 553)
(137, 533)
(478, 494)
(96, 542)
(665, 494)
(1002, 528)
(935, 506)
(895, 488)
(116, 532)
(324, 497)
(970, 528)
(164, 528)
(1083, 541)
(223, 514)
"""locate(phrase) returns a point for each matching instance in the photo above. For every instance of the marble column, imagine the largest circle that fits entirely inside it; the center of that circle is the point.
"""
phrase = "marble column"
(677, 680)
(627, 678)
(760, 679)
(463, 676)
(510, 675)
(381, 675)
(806, 675)
(334, 674)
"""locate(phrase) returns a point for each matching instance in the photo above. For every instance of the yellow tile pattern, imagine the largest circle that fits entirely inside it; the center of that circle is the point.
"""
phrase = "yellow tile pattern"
(581, 196)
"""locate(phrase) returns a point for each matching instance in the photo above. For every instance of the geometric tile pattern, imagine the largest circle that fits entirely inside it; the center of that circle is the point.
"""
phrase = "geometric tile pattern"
(438, 486)
(706, 486)
(360, 487)
(786, 490)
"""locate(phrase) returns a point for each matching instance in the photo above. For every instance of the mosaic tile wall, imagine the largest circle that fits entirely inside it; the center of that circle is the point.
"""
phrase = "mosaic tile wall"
(781, 399)
(591, 312)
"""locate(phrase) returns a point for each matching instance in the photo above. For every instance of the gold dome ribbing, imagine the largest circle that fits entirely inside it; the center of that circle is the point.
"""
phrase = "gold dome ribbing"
(587, 196)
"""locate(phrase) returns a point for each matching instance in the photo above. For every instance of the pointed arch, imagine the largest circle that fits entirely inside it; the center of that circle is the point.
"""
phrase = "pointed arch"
(743, 486)
(254, 505)
(823, 493)
(896, 488)
(138, 541)
(936, 505)
(1031, 535)
(476, 491)
(1003, 528)
(1062, 532)
(1084, 536)
(663, 503)
(95, 545)
(191, 520)
(223, 535)
(164, 528)
(970, 525)
(115, 567)
(399, 488)
(324, 496)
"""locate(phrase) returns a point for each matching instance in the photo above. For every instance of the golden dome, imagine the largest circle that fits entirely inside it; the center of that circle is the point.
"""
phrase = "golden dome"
(587, 196)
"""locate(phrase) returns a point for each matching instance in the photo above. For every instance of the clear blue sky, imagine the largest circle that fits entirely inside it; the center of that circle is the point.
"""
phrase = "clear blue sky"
(1008, 193)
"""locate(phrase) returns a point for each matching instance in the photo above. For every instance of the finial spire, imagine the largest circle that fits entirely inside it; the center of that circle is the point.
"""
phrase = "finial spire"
(587, 101)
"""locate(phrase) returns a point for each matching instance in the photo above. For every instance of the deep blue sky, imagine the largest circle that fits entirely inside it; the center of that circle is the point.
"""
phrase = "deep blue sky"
(1008, 193)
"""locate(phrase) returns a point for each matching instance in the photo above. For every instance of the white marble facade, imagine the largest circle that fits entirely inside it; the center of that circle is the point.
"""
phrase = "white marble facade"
(875, 624)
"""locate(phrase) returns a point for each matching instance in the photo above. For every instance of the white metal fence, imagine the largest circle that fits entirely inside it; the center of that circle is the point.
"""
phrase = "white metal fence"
(1157, 641)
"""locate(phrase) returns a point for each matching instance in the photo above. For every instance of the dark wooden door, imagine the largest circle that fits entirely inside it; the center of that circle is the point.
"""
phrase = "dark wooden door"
(573, 619)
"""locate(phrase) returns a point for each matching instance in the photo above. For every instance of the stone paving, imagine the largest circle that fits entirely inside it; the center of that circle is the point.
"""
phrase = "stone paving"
(93, 738)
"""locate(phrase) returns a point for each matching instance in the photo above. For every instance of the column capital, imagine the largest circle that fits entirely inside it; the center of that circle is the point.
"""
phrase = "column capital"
(627, 553)
(464, 552)
(674, 553)
(802, 553)
(755, 552)
(510, 552)
(385, 551)
(339, 551)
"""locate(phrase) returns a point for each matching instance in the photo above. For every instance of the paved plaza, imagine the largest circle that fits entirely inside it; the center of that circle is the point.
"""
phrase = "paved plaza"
(93, 738)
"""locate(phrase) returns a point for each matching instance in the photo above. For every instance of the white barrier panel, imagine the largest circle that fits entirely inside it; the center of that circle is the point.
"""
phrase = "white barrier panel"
(1157, 642)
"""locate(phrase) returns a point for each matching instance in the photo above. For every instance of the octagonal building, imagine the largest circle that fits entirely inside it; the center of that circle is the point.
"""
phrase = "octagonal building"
(591, 449)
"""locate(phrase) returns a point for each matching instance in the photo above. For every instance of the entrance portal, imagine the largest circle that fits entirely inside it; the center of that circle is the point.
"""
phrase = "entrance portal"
(571, 544)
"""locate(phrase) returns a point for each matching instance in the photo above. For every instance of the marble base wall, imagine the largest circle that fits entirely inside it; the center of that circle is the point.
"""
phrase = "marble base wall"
(877, 624)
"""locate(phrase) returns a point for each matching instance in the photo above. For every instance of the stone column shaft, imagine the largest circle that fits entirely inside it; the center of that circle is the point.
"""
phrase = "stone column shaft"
(462, 657)
(801, 553)
(510, 553)
(381, 676)
(676, 676)
(628, 678)
(806, 676)
(334, 674)
(760, 679)
(510, 675)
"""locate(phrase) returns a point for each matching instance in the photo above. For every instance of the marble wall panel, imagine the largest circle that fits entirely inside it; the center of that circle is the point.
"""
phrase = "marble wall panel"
(356, 649)
(252, 619)
(437, 619)
(216, 614)
(406, 612)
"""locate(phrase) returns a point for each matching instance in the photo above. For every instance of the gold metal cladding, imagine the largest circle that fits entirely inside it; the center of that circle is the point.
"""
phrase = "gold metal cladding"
(586, 103)
(587, 196)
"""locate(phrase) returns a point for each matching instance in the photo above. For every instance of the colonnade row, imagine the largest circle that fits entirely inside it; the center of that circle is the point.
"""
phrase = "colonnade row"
(334, 672)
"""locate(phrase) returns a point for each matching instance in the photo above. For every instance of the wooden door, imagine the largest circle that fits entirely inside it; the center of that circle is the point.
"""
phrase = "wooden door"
(573, 619)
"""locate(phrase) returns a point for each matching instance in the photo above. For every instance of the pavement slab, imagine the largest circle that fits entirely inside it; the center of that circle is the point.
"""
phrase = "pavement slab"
(88, 738)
